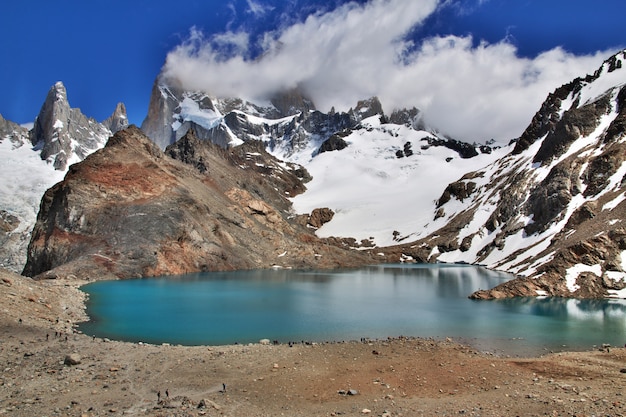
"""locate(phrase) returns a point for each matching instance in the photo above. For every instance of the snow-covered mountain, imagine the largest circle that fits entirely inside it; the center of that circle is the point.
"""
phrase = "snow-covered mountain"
(552, 209)
(34, 160)
(548, 206)
(288, 123)
(379, 174)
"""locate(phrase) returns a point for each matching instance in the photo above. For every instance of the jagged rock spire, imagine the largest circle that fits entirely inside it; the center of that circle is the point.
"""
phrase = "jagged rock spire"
(64, 135)
(118, 120)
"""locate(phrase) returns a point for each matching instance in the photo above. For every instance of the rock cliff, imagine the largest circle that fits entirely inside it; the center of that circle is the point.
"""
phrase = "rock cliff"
(132, 210)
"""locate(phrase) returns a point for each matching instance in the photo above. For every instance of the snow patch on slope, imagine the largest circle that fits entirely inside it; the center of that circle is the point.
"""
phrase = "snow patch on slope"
(25, 178)
(374, 193)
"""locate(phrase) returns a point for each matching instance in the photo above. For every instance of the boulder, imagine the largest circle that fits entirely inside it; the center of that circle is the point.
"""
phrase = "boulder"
(72, 359)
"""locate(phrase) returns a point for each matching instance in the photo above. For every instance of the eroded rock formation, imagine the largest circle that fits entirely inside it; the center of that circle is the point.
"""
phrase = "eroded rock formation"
(131, 210)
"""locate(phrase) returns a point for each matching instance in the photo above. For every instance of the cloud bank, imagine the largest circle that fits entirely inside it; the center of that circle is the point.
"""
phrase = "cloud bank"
(468, 90)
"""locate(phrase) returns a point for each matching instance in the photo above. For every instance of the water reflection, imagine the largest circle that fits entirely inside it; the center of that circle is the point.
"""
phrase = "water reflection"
(375, 302)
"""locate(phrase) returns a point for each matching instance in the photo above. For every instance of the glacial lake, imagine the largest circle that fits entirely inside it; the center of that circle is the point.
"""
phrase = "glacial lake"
(372, 302)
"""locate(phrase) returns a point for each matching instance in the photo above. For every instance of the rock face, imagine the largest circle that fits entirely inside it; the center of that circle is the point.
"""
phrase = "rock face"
(289, 123)
(290, 126)
(553, 210)
(118, 120)
(131, 210)
(12, 131)
(64, 135)
(35, 160)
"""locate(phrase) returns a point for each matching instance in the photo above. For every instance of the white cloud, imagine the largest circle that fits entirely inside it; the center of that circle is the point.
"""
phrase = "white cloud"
(257, 8)
(471, 92)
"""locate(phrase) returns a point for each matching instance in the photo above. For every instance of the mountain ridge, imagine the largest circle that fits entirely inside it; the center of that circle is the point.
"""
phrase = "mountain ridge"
(551, 211)
(548, 207)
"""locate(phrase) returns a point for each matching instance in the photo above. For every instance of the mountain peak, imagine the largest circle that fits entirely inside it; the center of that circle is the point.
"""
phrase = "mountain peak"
(64, 135)
(291, 102)
(118, 120)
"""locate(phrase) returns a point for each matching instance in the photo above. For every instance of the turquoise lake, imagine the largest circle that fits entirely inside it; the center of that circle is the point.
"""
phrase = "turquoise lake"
(373, 302)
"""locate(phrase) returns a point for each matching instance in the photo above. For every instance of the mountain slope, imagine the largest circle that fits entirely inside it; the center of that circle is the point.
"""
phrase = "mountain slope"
(131, 210)
(33, 161)
(553, 209)
(375, 172)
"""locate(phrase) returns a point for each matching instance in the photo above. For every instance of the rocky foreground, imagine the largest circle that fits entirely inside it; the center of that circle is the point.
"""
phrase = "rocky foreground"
(49, 370)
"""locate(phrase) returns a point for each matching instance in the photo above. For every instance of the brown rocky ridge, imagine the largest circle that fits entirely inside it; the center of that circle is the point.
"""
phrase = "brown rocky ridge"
(131, 210)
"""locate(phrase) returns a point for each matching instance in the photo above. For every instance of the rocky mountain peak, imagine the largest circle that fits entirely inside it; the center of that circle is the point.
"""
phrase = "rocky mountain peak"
(12, 131)
(118, 120)
(410, 117)
(565, 112)
(291, 102)
(367, 108)
(63, 135)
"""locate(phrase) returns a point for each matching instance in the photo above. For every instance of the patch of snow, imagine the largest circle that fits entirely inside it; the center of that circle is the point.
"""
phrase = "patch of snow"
(617, 293)
(190, 111)
(616, 275)
(25, 178)
(573, 272)
(58, 124)
(607, 81)
(270, 122)
(366, 185)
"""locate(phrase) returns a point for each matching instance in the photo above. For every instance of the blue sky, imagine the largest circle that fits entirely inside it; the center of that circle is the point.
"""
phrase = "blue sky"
(459, 61)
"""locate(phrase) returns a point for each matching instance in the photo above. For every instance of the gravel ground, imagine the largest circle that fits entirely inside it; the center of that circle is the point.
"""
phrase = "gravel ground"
(49, 370)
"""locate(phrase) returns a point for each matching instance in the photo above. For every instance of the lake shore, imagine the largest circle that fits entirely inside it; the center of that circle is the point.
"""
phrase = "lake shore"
(51, 370)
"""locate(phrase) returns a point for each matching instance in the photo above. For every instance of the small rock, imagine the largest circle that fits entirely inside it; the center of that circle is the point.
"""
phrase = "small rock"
(72, 359)
(264, 341)
(366, 411)
(205, 403)
(353, 392)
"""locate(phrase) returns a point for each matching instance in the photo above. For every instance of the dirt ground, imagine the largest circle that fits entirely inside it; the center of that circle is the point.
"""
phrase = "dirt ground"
(49, 370)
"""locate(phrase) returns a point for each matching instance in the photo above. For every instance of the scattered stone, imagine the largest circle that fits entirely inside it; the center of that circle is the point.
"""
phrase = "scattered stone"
(72, 359)
(353, 392)
(366, 411)
(264, 341)
(206, 403)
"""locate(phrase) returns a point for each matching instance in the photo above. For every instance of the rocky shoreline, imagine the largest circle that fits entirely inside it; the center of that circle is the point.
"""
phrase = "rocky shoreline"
(50, 370)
